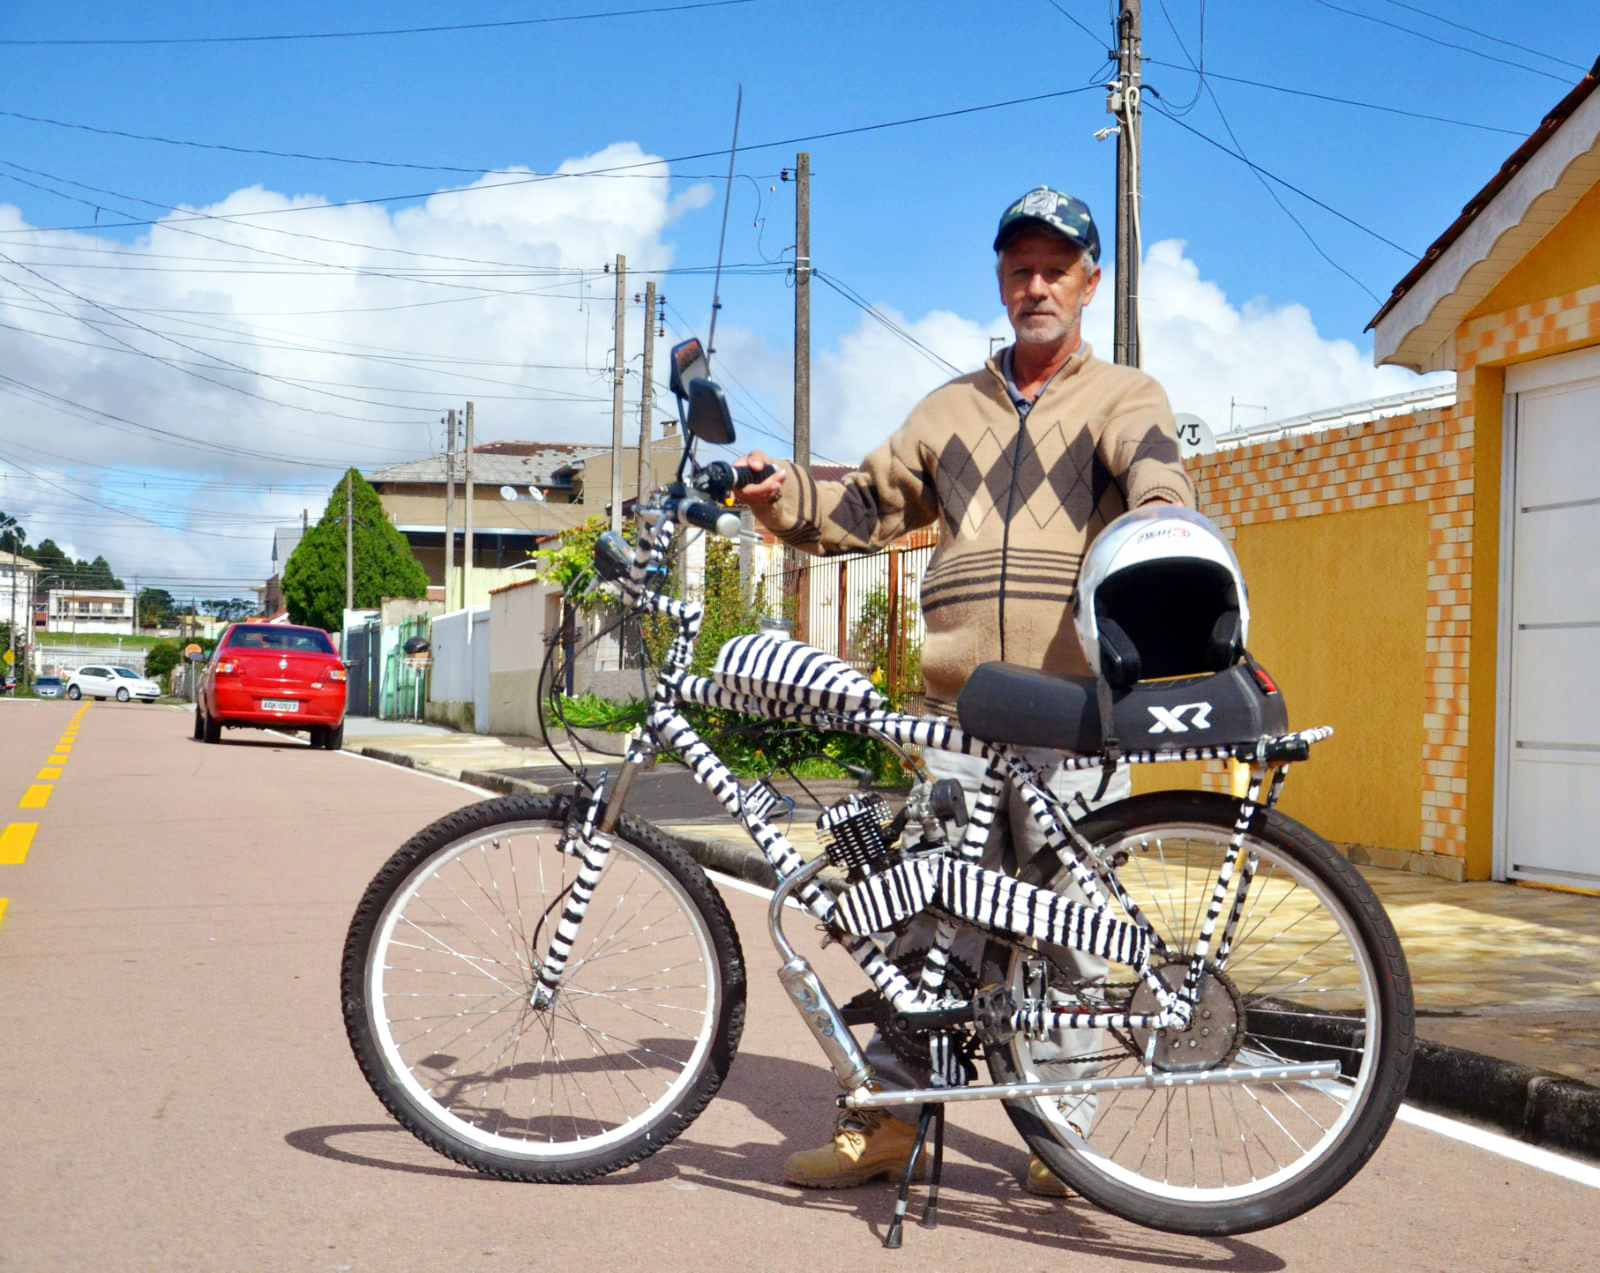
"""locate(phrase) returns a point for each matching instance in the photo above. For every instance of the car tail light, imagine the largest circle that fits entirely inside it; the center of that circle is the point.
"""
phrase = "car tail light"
(336, 672)
(227, 667)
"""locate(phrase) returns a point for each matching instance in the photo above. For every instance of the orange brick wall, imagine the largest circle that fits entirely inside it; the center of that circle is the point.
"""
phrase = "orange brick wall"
(1424, 458)
(1432, 458)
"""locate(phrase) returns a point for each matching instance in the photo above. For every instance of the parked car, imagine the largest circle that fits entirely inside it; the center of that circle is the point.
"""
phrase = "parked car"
(48, 687)
(273, 676)
(101, 681)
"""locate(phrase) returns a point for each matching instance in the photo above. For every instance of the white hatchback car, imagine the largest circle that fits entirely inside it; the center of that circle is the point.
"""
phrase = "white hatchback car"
(102, 682)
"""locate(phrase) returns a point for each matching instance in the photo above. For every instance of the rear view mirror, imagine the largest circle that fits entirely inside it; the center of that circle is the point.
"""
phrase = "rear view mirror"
(708, 413)
(688, 365)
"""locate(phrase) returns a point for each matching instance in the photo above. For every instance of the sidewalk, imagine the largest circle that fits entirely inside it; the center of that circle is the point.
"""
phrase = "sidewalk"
(1506, 978)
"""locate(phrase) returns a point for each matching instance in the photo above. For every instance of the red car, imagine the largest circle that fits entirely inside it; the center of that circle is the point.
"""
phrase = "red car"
(273, 676)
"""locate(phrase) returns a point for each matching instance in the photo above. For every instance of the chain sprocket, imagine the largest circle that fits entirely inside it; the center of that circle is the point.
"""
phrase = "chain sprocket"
(906, 1040)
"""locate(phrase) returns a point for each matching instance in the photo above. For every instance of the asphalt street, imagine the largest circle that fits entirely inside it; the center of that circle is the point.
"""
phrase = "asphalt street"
(176, 1091)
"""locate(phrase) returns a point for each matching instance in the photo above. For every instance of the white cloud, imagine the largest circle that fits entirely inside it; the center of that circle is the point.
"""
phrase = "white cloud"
(1208, 352)
(261, 358)
(1211, 354)
(271, 353)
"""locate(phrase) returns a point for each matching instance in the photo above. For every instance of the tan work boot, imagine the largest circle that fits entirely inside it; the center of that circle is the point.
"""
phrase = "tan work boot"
(866, 1144)
(1043, 1182)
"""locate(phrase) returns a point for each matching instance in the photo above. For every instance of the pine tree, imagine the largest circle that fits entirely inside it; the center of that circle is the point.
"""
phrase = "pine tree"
(314, 576)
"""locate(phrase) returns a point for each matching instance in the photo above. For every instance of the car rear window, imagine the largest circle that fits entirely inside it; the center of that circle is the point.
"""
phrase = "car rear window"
(293, 640)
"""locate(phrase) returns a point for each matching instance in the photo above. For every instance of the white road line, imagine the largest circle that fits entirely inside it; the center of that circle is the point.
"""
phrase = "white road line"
(1481, 1138)
(1492, 1142)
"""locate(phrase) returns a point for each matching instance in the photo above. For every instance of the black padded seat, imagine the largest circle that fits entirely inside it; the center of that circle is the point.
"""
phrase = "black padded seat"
(1005, 704)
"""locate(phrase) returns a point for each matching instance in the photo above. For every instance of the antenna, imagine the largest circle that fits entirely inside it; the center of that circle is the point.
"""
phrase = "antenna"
(727, 198)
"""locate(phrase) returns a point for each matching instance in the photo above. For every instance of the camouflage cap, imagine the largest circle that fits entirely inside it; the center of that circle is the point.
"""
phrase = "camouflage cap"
(1055, 211)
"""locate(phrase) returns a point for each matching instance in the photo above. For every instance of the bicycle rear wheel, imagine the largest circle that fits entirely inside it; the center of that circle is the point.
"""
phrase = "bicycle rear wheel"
(1315, 973)
(440, 964)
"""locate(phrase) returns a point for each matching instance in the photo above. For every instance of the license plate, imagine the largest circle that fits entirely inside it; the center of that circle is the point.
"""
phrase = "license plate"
(280, 705)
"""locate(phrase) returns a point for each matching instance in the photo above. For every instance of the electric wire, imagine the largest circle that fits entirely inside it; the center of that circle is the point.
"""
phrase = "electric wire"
(1287, 185)
(534, 178)
(868, 308)
(1198, 67)
(1261, 176)
(1484, 35)
(1431, 39)
(1343, 101)
(372, 34)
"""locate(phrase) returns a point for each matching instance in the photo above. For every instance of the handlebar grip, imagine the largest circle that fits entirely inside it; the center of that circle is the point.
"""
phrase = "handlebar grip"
(743, 476)
(718, 520)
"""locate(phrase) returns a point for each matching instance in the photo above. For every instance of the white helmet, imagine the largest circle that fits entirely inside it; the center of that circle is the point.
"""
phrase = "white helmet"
(1160, 595)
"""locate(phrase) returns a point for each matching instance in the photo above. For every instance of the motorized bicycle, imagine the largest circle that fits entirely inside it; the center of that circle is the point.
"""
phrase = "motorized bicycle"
(548, 988)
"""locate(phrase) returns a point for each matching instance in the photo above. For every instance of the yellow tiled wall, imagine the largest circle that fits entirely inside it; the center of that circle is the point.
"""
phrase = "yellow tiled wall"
(1447, 464)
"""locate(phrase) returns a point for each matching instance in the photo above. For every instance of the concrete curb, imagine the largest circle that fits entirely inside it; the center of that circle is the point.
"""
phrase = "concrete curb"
(1535, 1106)
(1531, 1105)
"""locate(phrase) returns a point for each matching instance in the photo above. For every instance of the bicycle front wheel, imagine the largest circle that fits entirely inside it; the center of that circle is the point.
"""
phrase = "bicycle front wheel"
(438, 978)
(1315, 973)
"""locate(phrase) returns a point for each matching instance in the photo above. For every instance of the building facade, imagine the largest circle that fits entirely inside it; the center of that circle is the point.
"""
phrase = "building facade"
(83, 610)
(1426, 582)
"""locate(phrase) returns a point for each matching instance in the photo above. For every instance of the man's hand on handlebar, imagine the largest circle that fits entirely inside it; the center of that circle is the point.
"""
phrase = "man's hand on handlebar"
(767, 480)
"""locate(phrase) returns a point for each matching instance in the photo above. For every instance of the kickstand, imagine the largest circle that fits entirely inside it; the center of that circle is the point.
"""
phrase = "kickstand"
(931, 1115)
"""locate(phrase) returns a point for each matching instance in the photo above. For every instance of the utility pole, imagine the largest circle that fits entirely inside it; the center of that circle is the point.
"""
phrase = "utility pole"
(466, 516)
(647, 391)
(349, 544)
(1124, 104)
(617, 367)
(802, 370)
(449, 507)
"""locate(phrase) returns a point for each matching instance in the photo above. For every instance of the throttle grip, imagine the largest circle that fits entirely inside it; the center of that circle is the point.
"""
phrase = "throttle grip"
(712, 517)
(743, 476)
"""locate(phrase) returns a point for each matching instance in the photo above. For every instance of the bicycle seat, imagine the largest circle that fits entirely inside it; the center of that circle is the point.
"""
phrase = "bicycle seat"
(1001, 703)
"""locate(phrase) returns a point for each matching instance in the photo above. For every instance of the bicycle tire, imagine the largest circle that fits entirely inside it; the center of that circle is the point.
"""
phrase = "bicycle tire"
(439, 964)
(1316, 972)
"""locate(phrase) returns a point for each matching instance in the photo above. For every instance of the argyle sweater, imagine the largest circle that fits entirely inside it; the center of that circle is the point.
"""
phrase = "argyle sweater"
(1017, 502)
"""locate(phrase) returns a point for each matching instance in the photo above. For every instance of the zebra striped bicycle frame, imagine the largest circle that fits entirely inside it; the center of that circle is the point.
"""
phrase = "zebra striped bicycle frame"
(950, 883)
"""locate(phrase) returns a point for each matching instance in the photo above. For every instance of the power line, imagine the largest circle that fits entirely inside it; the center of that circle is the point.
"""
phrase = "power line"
(372, 34)
(535, 178)
(1422, 35)
(1199, 68)
(856, 299)
(1342, 101)
(1484, 35)
(1273, 194)
(1287, 185)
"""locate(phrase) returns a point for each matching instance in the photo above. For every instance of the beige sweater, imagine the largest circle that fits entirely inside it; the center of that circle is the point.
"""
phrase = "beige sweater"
(1018, 504)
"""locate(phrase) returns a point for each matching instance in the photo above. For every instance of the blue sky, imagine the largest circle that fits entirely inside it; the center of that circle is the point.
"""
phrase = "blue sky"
(175, 390)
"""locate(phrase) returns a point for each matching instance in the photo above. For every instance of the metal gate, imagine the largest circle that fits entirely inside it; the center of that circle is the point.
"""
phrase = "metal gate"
(405, 682)
(361, 675)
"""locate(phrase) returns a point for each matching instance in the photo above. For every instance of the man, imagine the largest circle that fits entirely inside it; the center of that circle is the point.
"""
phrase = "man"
(1021, 464)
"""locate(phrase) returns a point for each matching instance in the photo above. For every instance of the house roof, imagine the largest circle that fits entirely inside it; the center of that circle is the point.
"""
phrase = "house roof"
(496, 464)
(1428, 398)
(1536, 186)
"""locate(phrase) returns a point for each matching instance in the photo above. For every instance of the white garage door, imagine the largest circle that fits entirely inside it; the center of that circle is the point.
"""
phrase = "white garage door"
(1549, 786)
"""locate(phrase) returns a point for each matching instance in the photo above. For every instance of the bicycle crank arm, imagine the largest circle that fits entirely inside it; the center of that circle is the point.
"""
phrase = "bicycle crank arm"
(1240, 1075)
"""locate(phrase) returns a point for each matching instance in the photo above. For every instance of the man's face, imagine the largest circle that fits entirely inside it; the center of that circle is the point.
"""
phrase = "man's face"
(1045, 282)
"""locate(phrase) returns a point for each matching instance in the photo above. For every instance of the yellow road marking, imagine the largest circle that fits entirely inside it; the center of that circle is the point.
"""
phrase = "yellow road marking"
(58, 760)
(64, 745)
(36, 796)
(15, 841)
(3, 901)
(47, 774)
